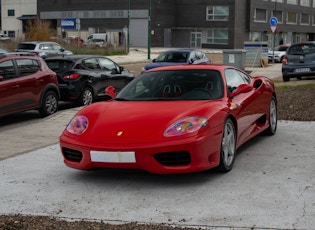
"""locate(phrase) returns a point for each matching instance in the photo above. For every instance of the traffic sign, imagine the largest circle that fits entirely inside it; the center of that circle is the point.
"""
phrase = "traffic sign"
(273, 29)
(273, 21)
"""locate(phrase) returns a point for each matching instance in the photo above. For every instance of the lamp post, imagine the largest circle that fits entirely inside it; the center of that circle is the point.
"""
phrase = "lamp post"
(274, 35)
(128, 31)
(149, 30)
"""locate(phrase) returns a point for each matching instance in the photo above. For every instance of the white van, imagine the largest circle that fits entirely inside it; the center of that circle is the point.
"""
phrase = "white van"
(103, 36)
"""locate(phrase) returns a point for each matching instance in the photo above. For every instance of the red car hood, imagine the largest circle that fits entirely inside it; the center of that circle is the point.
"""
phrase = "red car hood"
(140, 119)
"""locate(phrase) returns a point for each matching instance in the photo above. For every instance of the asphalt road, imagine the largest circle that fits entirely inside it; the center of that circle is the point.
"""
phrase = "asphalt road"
(272, 184)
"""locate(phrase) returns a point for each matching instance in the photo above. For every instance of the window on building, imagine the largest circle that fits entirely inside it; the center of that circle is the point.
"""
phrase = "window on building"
(305, 19)
(11, 13)
(11, 34)
(293, 2)
(277, 0)
(305, 2)
(291, 18)
(217, 13)
(313, 23)
(279, 15)
(255, 36)
(218, 36)
(260, 15)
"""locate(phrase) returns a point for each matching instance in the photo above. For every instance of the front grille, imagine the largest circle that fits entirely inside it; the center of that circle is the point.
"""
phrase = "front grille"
(173, 158)
(72, 155)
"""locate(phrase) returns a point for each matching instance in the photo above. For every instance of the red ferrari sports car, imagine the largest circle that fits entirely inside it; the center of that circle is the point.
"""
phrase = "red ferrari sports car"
(175, 119)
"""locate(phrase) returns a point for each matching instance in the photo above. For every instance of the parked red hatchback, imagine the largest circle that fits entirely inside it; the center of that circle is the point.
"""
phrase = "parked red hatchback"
(27, 83)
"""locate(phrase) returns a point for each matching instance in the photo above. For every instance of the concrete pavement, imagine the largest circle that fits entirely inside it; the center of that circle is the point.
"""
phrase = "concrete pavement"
(272, 185)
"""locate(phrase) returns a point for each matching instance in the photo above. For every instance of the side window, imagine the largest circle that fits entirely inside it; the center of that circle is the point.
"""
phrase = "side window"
(7, 70)
(27, 66)
(199, 55)
(193, 56)
(56, 47)
(91, 63)
(107, 64)
(245, 77)
(45, 46)
(233, 79)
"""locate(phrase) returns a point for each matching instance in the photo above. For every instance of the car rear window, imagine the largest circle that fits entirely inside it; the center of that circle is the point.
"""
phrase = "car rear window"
(59, 65)
(303, 48)
(26, 46)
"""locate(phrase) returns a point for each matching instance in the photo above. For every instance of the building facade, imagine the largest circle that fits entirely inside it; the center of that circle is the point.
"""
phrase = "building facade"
(14, 15)
(221, 24)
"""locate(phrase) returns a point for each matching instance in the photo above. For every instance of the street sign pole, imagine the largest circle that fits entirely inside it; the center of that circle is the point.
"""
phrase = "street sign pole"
(273, 26)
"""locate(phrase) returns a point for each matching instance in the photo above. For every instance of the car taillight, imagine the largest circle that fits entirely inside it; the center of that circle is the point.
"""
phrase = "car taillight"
(36, 53)
(72, 76)
(284, 60)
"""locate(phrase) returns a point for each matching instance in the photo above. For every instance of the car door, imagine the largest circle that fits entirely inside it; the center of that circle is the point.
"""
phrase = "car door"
(30, 81)
(9, 87)
(92, 75)
(57, 49)
(246, 110)
(112, 75)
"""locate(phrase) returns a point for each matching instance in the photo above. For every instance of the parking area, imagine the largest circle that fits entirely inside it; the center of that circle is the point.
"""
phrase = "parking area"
(272, 184)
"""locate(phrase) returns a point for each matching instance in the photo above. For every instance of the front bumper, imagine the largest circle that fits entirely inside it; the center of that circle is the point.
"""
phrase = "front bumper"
(180, 156)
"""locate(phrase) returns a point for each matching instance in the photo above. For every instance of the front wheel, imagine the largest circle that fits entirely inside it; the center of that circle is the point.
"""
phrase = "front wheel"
(228, 147)
(285, 78)
(273, 118)
(49, 104)
(86, 97)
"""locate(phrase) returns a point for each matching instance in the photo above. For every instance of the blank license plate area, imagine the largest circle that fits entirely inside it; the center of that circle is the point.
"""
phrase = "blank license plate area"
(301, 70)
(113, 157)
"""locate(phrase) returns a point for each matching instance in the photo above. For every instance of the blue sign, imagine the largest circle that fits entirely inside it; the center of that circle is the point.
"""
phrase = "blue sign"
(273, 21)
(68, 23)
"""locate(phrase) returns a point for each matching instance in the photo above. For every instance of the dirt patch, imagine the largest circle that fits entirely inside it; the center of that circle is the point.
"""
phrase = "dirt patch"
(296, 102)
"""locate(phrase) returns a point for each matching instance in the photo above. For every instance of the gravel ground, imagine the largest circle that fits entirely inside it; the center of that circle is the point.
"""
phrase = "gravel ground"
(294, 103)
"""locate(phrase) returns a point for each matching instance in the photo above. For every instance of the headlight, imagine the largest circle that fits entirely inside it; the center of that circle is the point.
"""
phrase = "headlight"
(78, 125)
(186, 125)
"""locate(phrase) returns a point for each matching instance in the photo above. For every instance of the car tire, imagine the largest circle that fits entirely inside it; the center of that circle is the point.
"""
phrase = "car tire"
(299, 78)
(273, 117)
(228, 147)
(285, 78)
(86, 96)
(49, 104)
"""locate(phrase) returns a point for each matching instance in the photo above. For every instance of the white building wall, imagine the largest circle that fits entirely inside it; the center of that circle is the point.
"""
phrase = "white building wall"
(20, 7)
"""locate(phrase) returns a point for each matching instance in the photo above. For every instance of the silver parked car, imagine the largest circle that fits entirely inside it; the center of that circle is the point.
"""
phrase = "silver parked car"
(299, 61)
(43, 49)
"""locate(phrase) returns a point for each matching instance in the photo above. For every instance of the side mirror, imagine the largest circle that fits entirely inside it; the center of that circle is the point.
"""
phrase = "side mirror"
(153, 60)
(110, 91)
(114, 71)
(243, 88)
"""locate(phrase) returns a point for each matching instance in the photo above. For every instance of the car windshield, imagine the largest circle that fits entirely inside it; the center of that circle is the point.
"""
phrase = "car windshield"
(173, 57)
(59, 65)
(174, 85)
(303, 48)
(26, 46)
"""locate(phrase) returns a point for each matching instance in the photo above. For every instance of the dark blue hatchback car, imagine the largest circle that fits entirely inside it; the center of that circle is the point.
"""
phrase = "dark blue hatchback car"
(178, 57)
(83, 78)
